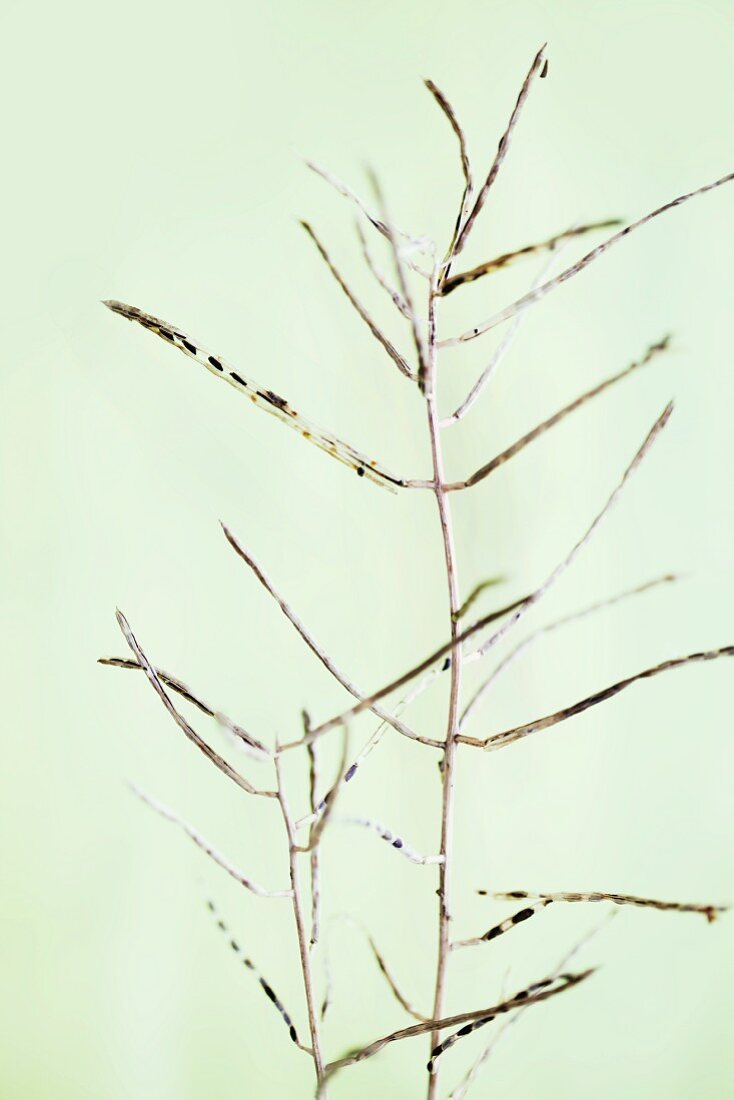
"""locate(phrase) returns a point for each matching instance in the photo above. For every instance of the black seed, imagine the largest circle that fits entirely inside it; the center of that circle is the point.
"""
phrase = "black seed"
(189, 347)
(349, 774)
(360, 471)
(544, 70)
(292, 1033)
(446, 665)
(493, 933)
(215, 363)
(274, 399)
(238, 379)
(465, 1030)
(268, 991)
(397, 843)
(234, 945)
(167, 335)
(524, 914)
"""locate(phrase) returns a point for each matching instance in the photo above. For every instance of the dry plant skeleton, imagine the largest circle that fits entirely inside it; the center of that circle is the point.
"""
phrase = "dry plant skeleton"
(417, 284)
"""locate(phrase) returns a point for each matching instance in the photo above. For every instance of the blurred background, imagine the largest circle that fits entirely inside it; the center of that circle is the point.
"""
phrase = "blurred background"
(155, 154)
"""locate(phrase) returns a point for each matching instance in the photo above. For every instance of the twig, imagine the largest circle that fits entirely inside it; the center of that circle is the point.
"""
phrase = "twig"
(507, 737)
(205, 846)
(455, 125)
(403, 285)
(264, 985)
(556, 624)
(482, 586)
(502, 149)
(368, 702)
(392, 839)
(708, 911)
(382, 964)
(549, 988)
(242, 738)
(379, 335)
(500, 351)
(507, 259)
(313, 799)
(308, 637)
(329, 802)
(308, 984)
(418, 243)
(391, 981)
(556, 418)
(375, 738)
(535, 295)
(561, 568)
(524, 997)
(264, 399)
(179, 719)
(504, 926)
(463, 1087)
(394, 295)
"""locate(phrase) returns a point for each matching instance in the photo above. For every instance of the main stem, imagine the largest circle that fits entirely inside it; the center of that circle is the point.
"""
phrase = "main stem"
(303, 936)
(452, 726)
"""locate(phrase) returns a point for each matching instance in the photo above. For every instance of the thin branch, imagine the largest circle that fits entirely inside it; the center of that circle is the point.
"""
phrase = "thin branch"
(520, 999)
(329, 802)
(501, 350)
(309, 639)
(502, 149)
(482, 586)
(507, 737)
(264, 985)
(403, 285)
(375, 738)
(504, 926)
(205, 846)
(379, 335)
(368, 703)
(535, 295)
(300, 921)
(183, 725)
(392, 839)
(556, 624)
(242, 738)
(382, 964)
(391, 981)
(395, 296)
(561, 568)
(556, 418)
(455, 125)
(507, 259)
(463, 1087)
(313, 799)
(549, 986)
(709, 911)
(263, 398)
(417, 243)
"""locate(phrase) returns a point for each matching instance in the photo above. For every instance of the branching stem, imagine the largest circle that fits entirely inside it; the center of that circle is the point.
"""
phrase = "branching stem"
(452, 724)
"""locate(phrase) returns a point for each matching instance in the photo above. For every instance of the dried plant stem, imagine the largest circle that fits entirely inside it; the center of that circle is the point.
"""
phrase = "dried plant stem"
(201, 842)
(302, 933)
(535, 295)
(308, 637)
(452, 724)
(575, 616)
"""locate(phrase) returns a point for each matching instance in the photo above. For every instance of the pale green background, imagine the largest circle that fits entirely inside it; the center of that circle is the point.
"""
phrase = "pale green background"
(153, 153)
